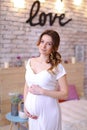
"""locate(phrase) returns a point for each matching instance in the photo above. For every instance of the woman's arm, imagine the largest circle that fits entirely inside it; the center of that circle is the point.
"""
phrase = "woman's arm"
(60, 94)
(25, 91)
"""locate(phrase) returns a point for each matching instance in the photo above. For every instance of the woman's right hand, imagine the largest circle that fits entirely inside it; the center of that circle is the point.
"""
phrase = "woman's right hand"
(29, 115)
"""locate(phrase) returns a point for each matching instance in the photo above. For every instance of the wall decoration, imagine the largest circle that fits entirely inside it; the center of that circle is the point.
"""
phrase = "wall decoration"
(43, 16)
(79, 53)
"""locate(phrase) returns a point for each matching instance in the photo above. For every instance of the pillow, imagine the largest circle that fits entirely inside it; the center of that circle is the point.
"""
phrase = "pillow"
(60, 101)
(72, 93)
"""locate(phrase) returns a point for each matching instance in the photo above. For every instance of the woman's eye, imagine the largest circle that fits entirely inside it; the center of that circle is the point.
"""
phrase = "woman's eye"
(42, 42)
(50, 44)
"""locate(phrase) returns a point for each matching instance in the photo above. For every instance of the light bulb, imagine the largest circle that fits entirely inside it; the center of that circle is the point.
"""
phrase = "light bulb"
(77, 2)
(59, 5)
(19, 3)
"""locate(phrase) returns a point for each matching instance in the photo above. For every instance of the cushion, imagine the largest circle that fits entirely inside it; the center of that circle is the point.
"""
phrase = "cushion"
(72, 93)
(60, 101)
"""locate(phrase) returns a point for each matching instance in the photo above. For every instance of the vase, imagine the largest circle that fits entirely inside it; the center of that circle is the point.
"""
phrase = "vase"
(18, 62)
(22, 106)
(14, 109)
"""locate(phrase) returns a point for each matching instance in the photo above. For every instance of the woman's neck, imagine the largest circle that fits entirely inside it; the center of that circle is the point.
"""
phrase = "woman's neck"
(43, 58)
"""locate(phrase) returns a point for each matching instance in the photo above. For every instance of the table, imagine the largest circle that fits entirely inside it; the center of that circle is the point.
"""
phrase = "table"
(15, 119)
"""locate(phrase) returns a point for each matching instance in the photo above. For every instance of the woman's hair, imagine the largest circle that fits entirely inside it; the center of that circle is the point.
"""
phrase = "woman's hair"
(54, 57)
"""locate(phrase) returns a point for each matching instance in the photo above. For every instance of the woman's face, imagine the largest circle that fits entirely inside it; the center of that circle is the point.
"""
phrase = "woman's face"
(45, 46)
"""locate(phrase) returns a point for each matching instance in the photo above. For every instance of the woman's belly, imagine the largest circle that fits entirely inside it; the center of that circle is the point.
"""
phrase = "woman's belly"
(36, 104)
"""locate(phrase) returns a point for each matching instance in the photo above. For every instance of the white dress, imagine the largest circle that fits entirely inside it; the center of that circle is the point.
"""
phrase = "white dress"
(46, 108)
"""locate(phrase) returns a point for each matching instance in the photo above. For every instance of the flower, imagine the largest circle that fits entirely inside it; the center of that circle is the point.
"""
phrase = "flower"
(18, 57)
(16, 97)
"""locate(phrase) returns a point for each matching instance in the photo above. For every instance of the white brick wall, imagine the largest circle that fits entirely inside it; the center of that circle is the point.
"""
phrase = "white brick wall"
(18, 38)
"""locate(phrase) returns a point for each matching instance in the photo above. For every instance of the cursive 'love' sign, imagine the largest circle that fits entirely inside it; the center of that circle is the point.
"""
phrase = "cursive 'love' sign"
(43, 16)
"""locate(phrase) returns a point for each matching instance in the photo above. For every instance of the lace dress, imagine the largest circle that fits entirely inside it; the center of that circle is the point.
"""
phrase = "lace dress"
(46, 108)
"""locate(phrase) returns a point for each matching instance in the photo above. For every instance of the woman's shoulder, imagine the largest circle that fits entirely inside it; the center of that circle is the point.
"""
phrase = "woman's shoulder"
(60, 70)
(60, 66)
(32, 60)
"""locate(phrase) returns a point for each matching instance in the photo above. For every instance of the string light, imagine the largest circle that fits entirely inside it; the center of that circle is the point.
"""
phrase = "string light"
(77, 2)
(42, 0)
(19, 3)
(59, 5)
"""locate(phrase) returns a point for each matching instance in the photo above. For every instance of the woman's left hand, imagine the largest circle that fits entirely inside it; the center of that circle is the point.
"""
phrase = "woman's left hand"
(36, 89)
(29, 115)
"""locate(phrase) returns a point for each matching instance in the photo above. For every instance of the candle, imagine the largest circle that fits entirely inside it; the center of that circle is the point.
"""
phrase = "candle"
(73, 60)
(6, 64)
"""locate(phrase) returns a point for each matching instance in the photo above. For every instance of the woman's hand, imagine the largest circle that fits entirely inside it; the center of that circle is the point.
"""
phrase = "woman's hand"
(36, 89)
(29, 115)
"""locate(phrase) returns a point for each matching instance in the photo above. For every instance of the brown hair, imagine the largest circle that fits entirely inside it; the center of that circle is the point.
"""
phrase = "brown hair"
(54, 57)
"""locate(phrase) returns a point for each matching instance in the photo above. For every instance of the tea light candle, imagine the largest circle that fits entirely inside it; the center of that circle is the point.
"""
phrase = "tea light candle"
(6, 64)
(73, 60)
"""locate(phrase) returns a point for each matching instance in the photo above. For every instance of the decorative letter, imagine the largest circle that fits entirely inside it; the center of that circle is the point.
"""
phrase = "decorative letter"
(32, 15)
(62, 16)
(52, 20)
(42, 19)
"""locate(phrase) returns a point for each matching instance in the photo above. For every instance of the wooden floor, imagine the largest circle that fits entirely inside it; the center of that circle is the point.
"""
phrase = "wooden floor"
(7, 127)
(14, 127)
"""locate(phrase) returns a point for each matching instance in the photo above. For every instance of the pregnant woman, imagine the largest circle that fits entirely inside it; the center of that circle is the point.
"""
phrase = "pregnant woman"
(43, 76)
